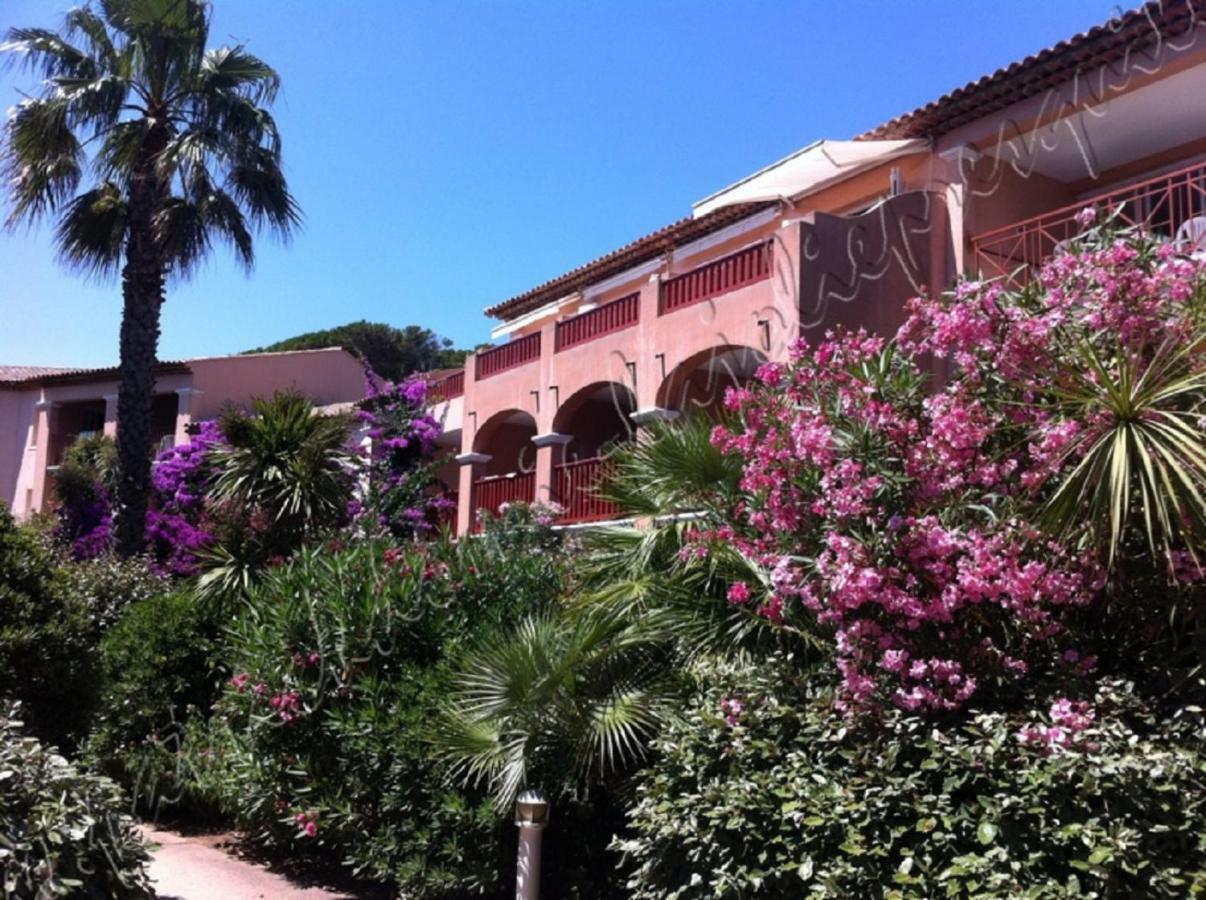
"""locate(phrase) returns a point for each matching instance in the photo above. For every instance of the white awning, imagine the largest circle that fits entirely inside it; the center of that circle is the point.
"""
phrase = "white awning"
(816, 166)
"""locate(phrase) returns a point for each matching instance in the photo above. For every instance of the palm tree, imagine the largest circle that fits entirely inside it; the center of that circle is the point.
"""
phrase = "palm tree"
(181, 151)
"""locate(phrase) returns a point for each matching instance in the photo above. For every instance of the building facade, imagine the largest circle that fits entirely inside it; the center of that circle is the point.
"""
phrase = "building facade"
(43, 411)
(983, 182)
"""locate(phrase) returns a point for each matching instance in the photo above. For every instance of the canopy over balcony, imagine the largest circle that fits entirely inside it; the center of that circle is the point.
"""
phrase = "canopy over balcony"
(816, 166)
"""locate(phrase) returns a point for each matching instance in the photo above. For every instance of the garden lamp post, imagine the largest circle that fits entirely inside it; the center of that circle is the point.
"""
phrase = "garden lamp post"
(531, 815)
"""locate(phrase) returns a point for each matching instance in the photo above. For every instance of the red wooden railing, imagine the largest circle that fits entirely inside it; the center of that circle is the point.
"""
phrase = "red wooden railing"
(1159, 206)
(577, 485)
(508, 356)
(735, 271)
(608, 318)
(446, 388)
(492, 492)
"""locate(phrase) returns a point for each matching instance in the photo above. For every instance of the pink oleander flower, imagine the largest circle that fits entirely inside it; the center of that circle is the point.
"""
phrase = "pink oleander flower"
(1086, 217)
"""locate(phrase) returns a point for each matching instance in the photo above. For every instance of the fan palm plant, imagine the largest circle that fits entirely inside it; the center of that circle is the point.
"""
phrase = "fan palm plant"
(554, 705)
(181, 152)
(677, 486)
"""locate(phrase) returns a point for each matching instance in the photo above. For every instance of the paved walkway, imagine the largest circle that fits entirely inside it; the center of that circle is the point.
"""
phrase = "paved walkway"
(196, 867)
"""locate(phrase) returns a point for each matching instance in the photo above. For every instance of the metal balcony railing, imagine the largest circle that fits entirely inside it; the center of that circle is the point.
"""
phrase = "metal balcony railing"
(1172, 206)
(492, 492)
(446, 388)
(577, 490)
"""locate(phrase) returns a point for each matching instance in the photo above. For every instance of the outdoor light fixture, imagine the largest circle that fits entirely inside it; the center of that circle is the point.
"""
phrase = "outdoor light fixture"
(532, 810)
(531, 815)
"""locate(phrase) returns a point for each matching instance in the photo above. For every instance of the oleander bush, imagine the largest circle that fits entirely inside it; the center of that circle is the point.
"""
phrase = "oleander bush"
(339, 663)
(63, 831)
(763, 789)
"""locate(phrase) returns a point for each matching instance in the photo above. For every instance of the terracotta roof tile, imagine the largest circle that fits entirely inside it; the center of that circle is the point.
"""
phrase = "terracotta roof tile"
(44, 377)
(641, 250)
(1047, 69)
(23, 373)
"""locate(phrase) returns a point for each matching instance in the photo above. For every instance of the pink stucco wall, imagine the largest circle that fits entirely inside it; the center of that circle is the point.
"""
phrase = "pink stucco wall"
(35, 421)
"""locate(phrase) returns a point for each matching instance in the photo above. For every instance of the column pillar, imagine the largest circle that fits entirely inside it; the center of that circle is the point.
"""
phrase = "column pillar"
(550, 453)
(471, 469)
(111, 416)
(184, 413)
(44, 413)
(651, 368)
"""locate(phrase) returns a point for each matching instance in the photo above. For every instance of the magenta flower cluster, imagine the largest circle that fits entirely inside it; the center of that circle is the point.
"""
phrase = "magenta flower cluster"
(399, 490)
(177, 530)
(885, 512)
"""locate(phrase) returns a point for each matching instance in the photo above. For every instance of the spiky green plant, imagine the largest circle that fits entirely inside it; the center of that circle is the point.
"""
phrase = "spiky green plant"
(1142, 460)
(556, 704)
(181, 152)
(676, 485)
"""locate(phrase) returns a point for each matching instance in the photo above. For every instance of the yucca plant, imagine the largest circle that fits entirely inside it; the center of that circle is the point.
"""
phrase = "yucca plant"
(282, 475)
(183, 153)
(557, 704)
(286, 460)
(1142, 461)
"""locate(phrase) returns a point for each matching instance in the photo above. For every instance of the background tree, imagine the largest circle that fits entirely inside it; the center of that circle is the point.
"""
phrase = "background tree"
(181, 151)
(393, 353)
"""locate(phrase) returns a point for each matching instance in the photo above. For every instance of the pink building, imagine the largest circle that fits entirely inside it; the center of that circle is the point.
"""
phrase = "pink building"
(43, 410)
(984, 181)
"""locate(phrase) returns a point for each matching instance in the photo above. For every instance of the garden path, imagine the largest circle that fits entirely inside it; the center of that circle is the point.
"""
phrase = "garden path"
(199, 867)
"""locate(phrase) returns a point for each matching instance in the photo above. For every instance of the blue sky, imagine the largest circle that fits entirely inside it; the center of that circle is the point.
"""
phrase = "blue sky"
(450, 154)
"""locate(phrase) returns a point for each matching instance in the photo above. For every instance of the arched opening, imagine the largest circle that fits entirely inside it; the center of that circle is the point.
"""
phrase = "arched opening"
(509, 475)
(697, 385)
(447, 475)
(595, 419)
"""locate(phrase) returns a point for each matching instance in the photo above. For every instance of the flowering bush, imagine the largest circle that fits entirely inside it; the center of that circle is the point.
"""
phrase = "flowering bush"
(82, 487)
(337, 671)
(177, 531)
(898, 518)
(776, 796)
(397, 486)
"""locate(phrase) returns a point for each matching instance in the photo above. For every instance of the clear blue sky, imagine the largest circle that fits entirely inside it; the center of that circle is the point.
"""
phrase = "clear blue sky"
(448, 154)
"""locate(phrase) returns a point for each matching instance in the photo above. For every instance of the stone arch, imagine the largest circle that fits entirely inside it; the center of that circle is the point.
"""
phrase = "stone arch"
(506, 437)
(698, 383)
(595, 417)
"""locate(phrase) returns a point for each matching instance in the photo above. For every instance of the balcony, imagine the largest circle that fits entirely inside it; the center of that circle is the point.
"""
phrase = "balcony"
(492, 492)
(596, 323)
(444, 389)
(508, 356)
(577, 490)
(1171, 206)
(745, 267)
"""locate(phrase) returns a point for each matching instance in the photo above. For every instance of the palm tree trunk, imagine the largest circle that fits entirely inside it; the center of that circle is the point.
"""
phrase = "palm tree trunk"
(142, 281)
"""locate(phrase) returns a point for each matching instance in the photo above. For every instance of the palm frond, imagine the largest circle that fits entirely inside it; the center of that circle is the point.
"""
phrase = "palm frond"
(44, 160)
(91, 232)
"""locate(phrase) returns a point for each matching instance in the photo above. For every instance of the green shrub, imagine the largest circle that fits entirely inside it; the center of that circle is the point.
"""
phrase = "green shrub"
(156, 670)
(62, 832)
(340, 661)
(106, 586)
(47, 641)
(777, 797)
